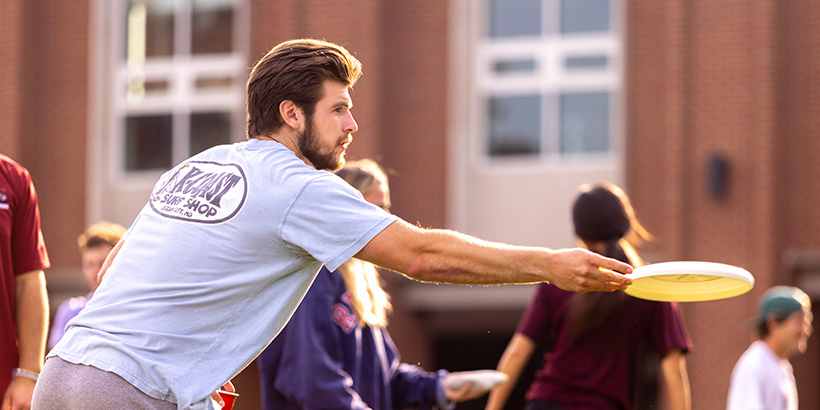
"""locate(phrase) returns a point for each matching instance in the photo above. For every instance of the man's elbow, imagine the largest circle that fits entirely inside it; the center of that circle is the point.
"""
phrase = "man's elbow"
(423, 268)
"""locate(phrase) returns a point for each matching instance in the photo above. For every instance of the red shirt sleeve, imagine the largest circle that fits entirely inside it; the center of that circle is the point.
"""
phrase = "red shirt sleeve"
(28, 249)
(544, 312)
(669, 330)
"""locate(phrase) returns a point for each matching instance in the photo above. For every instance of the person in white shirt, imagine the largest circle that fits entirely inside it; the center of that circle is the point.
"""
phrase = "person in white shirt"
(763, 377)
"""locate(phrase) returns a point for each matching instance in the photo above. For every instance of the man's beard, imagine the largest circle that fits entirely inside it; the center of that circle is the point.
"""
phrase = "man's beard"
(310, 147)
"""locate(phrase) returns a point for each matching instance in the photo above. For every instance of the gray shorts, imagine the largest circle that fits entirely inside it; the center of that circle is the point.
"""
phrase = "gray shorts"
(63, 385)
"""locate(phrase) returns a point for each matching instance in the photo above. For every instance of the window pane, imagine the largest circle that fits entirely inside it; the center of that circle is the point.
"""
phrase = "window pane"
(579, 16)
(587, 62)
(209, 129)
(148, 142)
(212, 26)
(206, 83)
(150, 29)
(509, 66)
(510, 18)
(585, 122)
(514, 125)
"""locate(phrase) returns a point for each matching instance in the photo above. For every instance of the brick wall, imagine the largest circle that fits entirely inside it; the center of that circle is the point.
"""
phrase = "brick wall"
(732, 79)
(51, 120)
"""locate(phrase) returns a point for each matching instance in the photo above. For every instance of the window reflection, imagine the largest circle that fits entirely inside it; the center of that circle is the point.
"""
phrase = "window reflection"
(579, 16)
(148, 142)
(208, 130)
(584, 122)
(586, 62)
(510, 18)
(514, 66)
(514, 125)
(212, 26)
(150, 29)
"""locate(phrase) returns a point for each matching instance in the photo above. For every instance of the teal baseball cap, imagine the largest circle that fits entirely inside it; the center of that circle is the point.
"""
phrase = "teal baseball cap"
(782, 301)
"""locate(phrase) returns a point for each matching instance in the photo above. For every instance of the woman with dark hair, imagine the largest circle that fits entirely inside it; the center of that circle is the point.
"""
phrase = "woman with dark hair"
(594, 340)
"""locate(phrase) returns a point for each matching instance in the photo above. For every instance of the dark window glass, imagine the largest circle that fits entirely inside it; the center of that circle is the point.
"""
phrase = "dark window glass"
(209, 129)
(514, 125)
(514, 66)
(212, 26)
(148, 142)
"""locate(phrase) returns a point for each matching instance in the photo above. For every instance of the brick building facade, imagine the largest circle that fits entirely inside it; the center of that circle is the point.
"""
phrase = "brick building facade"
(719, 150)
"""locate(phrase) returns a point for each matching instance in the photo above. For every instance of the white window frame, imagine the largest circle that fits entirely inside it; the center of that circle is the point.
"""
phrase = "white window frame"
(180, 71)
(549, 80)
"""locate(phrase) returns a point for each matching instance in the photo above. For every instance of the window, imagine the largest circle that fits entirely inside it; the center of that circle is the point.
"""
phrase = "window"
(179, 83)
(548, 78)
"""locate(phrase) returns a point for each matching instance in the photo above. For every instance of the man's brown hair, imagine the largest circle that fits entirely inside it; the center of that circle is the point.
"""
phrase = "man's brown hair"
(294, 70)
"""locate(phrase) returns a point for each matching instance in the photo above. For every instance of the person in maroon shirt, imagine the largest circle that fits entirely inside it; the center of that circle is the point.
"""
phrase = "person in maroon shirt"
(595, 339)
(23, 300)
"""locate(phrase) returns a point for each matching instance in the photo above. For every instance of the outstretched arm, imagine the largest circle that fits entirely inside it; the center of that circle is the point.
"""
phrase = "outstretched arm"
(673, 367)
(447, 256)
(512, 363)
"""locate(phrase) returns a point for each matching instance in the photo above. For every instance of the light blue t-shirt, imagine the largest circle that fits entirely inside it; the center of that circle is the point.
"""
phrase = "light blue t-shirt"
(214, 266)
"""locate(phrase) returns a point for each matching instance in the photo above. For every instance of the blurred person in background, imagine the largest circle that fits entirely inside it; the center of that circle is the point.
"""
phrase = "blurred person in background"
(763, 378)
(95, 244)
(336, 352)
(594, 340)
(24, 306)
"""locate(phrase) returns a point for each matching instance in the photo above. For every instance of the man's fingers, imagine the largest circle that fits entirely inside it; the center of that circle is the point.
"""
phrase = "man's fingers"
(601, 279)
(607, 274)
(614, 265)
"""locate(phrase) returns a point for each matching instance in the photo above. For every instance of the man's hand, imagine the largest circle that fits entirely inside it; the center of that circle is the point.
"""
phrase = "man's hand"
(580, 270)
(228, 387)
(18, 395)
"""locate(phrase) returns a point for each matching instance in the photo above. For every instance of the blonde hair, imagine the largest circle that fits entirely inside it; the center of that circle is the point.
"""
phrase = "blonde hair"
(101, 233)
(370, 302)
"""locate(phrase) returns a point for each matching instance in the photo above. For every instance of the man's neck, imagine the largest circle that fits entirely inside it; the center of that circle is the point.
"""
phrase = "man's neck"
(776, 348)
(288, 141)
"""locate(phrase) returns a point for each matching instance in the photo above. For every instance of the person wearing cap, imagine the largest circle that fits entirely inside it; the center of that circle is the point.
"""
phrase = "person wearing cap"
(762, 378)
(594, 341)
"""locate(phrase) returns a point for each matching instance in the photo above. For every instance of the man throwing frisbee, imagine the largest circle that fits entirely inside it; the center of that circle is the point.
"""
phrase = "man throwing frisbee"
(231, 239)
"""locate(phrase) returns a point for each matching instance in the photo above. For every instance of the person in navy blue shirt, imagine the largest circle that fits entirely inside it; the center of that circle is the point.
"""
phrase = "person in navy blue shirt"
(336, 353)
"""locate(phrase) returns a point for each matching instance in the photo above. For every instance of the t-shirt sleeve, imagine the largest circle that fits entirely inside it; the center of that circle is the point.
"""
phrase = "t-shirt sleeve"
(540, 314)
(331, 221)
(28, 245)
(668, 332)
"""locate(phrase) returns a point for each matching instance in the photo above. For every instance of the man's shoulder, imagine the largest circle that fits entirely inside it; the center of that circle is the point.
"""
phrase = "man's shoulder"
(12, 170)
(756, 357)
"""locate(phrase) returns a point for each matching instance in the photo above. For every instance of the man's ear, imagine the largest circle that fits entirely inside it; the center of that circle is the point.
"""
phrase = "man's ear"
(771, 323)
(292, 114)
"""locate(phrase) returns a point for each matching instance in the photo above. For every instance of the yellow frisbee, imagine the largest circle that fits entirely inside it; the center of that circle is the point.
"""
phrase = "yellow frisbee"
(689, 281)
